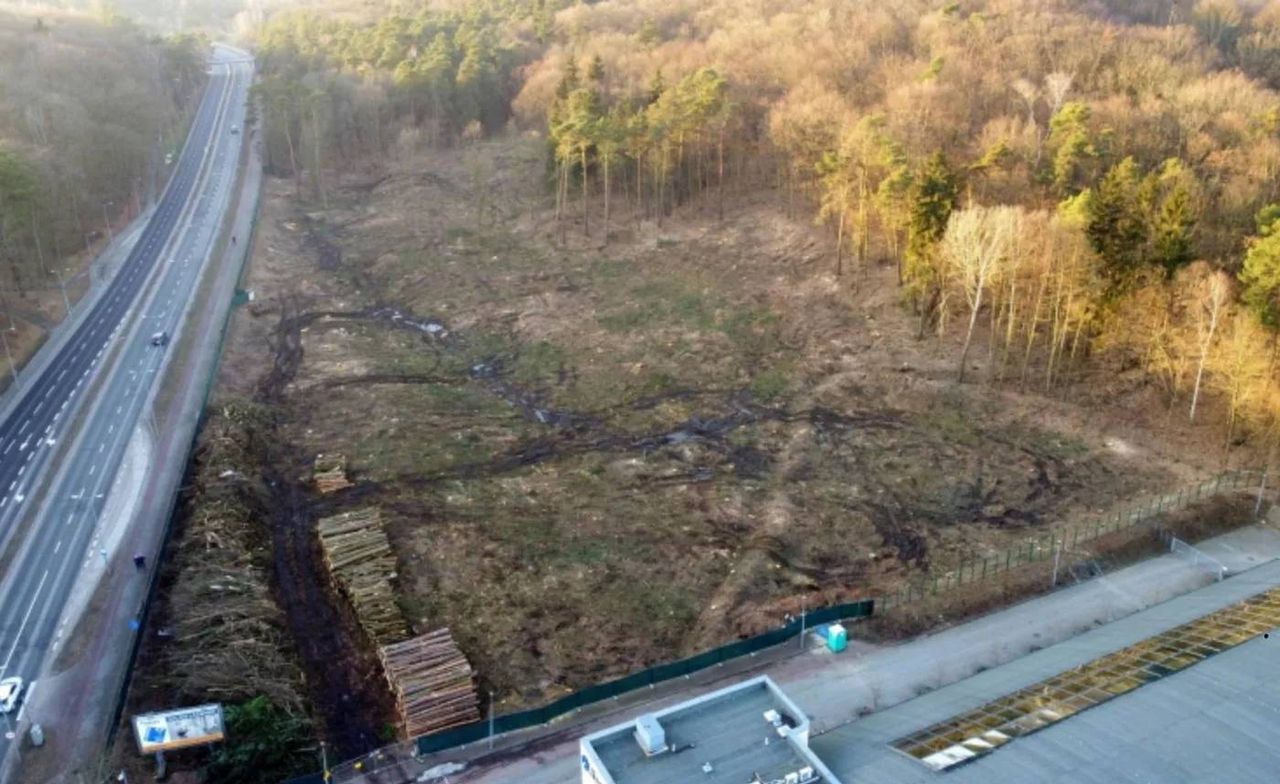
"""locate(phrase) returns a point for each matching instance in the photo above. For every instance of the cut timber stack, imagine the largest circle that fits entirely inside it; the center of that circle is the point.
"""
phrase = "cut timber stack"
(362, 565)
(330, 474)
(432, 683)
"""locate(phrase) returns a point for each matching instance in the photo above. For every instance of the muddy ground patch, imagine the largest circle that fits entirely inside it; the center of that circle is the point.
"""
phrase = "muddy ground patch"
(594, 456)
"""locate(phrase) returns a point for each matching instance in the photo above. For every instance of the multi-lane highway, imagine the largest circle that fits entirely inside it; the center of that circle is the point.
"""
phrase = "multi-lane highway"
(61, 443)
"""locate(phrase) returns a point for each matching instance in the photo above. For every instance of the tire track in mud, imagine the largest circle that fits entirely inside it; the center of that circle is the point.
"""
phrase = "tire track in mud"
(571, 433)
(341, 671)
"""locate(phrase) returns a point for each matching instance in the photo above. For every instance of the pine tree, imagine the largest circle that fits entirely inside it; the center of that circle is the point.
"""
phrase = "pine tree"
(933, 199)
(649, 34)
(1117, 227)
(657, 86)
(595, 71)
(1069, 134)
(569, 80)
(1260, 277)
(1173, 231)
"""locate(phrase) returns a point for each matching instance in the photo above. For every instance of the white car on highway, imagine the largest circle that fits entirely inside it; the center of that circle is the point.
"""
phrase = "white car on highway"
(10, 690)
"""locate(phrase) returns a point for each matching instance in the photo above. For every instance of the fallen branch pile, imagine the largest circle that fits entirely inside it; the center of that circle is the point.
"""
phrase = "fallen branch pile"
(330, 474)
(226, 634)
(432, 683)
(362, 566)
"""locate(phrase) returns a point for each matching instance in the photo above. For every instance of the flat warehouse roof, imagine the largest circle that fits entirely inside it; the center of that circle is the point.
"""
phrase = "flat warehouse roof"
(726, 730)
(980, 731)
(1217, 719)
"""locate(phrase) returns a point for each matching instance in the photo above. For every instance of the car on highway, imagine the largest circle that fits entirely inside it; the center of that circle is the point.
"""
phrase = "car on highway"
(160, 339)
(235, 129)
(10, 690)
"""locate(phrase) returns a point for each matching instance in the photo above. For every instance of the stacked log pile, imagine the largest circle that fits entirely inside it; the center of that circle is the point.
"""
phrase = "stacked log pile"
(361, 563)
(330, 474)
(432, 683)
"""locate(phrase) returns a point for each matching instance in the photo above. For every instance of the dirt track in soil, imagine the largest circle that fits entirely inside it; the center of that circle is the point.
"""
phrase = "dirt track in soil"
(521, 491)
(344, 678)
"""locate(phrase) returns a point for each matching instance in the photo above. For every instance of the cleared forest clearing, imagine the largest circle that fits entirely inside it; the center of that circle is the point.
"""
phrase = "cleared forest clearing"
(593, 457)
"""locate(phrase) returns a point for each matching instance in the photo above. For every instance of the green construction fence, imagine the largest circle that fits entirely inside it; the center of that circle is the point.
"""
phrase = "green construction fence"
(478, 730)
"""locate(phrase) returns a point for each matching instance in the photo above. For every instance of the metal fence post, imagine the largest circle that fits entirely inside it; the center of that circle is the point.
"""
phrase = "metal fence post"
(1262, 486)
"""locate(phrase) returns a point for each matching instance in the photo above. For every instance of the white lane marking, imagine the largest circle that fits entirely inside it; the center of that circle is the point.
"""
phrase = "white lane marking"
(18, 637)
(25, 424)
(8, 447)
(57, 547)
(92, 469)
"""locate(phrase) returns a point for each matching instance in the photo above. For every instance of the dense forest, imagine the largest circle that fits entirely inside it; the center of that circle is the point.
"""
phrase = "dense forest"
(84, 107)
(1065, 183)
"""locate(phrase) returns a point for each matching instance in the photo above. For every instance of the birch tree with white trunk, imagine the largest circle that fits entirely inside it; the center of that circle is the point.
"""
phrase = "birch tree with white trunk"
(977, 242)
(1207, 296)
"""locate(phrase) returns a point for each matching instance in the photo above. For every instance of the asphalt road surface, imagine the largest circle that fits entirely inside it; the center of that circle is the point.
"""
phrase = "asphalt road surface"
(148, 295)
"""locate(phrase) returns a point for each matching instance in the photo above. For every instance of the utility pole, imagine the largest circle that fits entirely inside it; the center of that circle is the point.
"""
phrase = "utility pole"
(324, 763)
(13, 368)
(106, 220)
(62, 286)
(1262, 486)
(802, 622)
(1057, 556)
(490, 720)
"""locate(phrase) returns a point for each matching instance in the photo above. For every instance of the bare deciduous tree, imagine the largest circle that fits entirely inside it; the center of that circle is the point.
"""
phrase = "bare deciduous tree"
(1206, 294)
(976, 244)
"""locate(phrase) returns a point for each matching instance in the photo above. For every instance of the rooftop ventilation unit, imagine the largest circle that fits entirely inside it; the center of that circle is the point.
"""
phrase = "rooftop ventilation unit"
(650, 735)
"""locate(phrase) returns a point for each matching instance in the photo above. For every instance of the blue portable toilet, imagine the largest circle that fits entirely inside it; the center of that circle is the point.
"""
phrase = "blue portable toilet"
(837, 638)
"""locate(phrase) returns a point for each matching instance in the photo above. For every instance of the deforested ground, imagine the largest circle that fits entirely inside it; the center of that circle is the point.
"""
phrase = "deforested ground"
(597, 456)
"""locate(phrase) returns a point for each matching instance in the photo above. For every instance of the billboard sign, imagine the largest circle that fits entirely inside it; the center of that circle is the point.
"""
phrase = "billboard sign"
(178, 729)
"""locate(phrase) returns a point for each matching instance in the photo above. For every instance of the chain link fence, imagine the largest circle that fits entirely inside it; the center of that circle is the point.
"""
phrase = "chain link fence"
(1056, 542)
